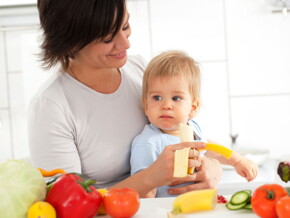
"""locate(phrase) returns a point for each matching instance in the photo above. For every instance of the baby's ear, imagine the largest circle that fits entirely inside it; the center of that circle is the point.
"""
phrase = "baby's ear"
(145, 107)
(194, 108)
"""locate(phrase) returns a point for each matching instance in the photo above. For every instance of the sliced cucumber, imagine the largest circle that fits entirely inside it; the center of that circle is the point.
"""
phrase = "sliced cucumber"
(248, 191)
(240, 198)
(248, 206)
(288, 190)
(231, 206)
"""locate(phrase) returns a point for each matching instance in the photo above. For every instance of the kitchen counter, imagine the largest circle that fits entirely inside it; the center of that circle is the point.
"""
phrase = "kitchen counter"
(231, 183)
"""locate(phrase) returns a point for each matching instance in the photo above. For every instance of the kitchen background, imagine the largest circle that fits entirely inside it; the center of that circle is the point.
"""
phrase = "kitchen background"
(243, 47)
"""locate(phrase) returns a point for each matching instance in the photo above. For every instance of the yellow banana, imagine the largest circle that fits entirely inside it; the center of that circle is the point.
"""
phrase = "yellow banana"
(224, 151)
(193, 201)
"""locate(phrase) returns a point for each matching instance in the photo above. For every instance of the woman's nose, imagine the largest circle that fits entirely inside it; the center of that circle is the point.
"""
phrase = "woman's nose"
(122, 41)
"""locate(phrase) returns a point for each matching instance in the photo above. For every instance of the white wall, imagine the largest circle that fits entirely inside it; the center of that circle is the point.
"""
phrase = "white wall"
(243, 50)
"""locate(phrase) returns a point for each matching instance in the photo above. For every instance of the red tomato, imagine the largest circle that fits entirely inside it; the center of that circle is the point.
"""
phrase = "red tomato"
(283, 207)
(264, 200)
(123, 202)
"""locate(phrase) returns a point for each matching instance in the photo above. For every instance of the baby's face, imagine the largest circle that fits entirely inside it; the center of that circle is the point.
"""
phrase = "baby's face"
(169, 103)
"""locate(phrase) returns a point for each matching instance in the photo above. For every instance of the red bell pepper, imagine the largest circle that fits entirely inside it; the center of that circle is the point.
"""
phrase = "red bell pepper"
(74, 198)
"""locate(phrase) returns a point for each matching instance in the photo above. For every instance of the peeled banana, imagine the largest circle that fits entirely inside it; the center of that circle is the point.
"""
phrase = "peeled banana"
(181, 162)
(193, 201)
(181, 156)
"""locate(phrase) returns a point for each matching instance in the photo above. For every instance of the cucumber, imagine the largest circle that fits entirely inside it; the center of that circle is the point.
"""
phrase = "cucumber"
(288, 190)
(248, 206)
(231, 206)
(248, 191)
(240, 197)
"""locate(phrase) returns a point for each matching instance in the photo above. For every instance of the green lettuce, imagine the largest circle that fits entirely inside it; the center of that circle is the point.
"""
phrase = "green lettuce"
(21, 185)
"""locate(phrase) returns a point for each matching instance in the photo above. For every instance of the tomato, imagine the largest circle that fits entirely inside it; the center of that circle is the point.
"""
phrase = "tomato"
(283, 207)
(123, 202)
(264, 200)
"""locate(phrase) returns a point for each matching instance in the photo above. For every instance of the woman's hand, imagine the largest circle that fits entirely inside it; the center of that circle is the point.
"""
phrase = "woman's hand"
(161, 171)
(207, 176)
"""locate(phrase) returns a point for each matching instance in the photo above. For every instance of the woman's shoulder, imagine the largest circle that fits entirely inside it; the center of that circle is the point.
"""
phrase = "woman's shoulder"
(51, 89)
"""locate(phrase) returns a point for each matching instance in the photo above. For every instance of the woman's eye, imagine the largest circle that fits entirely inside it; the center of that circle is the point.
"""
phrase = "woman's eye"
(127, 26)
(157, 98)
(107, 40)
(176, 98)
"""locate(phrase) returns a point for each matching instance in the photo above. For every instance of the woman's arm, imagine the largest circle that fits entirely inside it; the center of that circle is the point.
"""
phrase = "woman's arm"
(160, 173)
(51, 140)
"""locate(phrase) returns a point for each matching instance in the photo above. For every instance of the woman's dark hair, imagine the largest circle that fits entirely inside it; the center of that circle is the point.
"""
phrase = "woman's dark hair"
(69, 25)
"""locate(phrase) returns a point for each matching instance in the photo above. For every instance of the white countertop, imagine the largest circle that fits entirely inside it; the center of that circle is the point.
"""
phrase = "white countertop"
(231, 183)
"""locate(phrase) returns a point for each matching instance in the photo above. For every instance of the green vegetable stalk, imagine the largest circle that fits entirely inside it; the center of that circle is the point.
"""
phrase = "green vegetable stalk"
(284, 171)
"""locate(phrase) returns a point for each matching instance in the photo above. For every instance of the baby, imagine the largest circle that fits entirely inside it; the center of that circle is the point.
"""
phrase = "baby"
(171, 90)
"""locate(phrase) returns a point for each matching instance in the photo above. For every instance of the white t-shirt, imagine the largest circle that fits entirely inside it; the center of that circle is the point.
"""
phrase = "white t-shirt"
(77, 129)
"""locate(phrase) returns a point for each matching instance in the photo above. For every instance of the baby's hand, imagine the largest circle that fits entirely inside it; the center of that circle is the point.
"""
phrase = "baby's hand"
(247, 169)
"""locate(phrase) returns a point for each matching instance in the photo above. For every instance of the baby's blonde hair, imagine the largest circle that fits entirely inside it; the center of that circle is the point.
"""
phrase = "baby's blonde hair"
(173, 63)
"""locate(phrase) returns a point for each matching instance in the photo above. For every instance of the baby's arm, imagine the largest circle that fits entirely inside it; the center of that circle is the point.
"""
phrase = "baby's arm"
(243, 166)
(151, 194)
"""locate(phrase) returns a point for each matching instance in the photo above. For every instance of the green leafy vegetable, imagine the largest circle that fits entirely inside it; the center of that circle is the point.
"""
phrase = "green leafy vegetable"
(20, 186)
(284, 171)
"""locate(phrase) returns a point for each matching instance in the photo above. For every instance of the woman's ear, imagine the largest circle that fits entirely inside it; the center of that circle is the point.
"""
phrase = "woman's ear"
(194, 108)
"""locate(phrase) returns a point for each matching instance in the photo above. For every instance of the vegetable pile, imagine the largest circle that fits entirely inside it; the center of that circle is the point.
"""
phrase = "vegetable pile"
(73, 196)
(267, 201)
(21, 185)
(28, 194)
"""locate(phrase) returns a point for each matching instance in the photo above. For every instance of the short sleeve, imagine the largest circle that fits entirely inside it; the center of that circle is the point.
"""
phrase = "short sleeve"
(142, 156)
(51, 138)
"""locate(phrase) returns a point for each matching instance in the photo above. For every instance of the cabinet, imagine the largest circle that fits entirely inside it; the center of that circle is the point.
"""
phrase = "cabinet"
(20, 76)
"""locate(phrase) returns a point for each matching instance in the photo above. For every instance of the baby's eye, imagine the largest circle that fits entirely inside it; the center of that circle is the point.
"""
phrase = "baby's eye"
(157, 98)
(176, 98)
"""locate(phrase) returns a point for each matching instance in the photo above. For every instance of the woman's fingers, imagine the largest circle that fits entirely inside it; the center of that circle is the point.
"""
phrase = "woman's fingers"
(193, 153)
(194, 163)
(197, 145)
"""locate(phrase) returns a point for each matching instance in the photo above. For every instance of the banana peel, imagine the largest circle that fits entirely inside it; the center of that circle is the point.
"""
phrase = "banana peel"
(222, 150)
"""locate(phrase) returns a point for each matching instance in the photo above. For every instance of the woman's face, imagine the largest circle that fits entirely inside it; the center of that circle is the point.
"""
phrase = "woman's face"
(108, 53)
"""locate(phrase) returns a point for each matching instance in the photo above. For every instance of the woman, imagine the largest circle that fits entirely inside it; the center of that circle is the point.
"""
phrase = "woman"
(84, 119)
